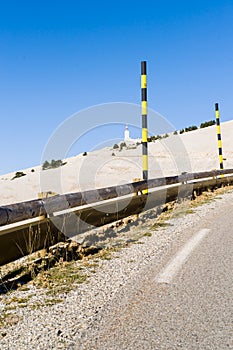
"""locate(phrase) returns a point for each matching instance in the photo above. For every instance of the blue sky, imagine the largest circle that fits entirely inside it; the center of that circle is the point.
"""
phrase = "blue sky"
(59, 57)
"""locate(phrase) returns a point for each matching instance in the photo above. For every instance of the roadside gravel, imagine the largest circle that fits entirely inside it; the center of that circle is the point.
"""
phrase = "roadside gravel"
(70, 324)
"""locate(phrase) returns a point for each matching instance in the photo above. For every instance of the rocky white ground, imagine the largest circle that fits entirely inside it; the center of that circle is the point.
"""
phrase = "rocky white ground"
(191, 152)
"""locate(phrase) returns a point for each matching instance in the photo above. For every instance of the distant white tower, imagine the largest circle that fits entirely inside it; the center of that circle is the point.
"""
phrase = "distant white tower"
(126, 138)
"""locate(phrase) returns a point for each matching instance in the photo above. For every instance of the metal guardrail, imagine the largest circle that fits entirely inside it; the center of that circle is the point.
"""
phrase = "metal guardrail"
(28, 226)
(42, 207)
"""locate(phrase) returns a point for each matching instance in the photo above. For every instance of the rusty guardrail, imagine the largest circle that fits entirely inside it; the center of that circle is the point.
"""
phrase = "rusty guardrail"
(32, 225)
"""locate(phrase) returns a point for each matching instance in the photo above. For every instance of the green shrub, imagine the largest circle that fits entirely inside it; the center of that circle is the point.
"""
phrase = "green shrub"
(122, 144)
(206, 124)
(190, 128)
(53, 164)
(18, 174)
(115, 146)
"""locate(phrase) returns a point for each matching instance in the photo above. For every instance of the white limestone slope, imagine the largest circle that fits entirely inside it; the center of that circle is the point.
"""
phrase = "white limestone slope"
(191, 152)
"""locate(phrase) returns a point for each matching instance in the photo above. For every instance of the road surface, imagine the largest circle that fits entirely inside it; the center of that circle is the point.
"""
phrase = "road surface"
(184, 301)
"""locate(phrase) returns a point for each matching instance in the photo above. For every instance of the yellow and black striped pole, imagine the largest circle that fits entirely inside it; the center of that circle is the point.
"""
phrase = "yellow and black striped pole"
(144, 123)
(219, 136)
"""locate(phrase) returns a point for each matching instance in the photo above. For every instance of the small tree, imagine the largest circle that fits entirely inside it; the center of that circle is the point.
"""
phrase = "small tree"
(115, 146)
(190, 128)
(122, 144)
(18, 174)
(53, 164)
(45, 165)
(206, 124)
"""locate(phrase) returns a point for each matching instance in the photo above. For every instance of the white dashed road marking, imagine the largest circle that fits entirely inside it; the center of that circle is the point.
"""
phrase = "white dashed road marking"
(172, 268)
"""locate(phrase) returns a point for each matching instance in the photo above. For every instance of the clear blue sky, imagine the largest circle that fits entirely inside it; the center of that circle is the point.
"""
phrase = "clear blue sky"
(58, 57)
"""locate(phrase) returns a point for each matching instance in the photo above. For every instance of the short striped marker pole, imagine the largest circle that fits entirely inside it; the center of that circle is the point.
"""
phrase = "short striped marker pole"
(144, 123)
(219, 137)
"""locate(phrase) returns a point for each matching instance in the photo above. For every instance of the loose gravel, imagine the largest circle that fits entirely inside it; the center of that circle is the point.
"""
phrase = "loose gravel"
(68, 324)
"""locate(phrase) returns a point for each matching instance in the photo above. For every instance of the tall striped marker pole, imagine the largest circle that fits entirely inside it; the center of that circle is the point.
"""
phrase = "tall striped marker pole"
(219, 137)
(144, 123)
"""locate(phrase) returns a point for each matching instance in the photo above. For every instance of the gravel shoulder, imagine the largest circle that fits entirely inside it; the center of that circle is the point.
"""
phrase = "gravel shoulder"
(72, 323)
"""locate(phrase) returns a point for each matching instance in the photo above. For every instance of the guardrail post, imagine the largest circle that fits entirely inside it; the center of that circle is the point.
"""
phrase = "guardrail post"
(219, 137)
(144, 123)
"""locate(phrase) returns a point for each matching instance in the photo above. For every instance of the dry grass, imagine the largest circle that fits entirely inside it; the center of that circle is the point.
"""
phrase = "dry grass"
(207, 196)
(177, 210)
(61, 278)
(65, 276)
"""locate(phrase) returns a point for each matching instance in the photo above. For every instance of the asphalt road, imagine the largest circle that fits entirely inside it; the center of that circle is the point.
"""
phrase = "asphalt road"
(184, 301)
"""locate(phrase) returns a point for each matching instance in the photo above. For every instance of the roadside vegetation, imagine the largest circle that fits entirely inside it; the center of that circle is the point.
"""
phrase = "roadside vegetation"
(182, 131)
(18, 174)
(206, 124)
(53, 164)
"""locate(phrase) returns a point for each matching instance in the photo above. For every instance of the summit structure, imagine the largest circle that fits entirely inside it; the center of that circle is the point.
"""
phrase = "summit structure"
(126, 135)
(128, 140)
